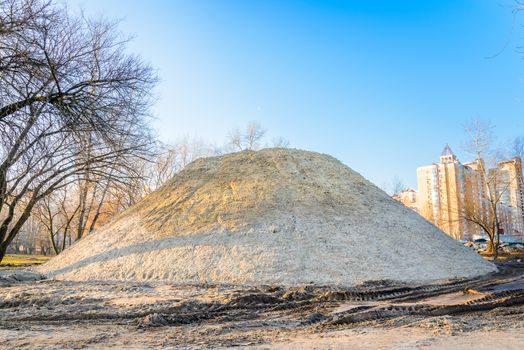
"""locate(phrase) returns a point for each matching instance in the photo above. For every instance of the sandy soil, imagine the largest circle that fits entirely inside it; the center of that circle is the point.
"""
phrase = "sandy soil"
(50, 314)
(404, 338)
(273, 216)
(370, 336)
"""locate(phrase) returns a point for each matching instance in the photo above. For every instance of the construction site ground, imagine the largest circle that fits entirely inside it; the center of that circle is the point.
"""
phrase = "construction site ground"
(483, 313)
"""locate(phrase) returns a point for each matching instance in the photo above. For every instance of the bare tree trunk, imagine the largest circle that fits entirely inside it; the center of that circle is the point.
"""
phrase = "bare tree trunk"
(491, 247)
(64, 239)
(497, 242)
(82, 201)
(3, 250)
(53, 242)
(98, 208)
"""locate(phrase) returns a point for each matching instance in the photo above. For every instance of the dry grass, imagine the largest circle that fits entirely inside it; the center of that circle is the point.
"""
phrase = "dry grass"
(23, 260)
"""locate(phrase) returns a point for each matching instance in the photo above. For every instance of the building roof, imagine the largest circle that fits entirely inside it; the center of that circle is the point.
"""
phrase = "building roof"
(447, 151)
(409, 190)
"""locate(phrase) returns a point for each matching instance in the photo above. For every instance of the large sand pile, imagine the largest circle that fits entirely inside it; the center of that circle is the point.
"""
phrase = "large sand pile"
(272, 216)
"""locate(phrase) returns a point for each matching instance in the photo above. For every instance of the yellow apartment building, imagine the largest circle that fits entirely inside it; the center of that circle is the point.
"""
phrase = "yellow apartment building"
(440, 191)
(449, 188)
(512, 196)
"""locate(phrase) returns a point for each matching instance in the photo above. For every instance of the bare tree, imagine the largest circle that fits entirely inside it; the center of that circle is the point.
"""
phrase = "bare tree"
(92, 197)
(253, 136)
(397, 185)
(394, 187)
(235, 140)
(280, 142)
(73, 106)
(249, 140)
(56, 213)
(172, 158)
(492, 181)
(517, 147)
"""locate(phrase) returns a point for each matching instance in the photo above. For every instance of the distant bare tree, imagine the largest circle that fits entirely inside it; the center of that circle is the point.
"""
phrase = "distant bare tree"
(56, 213)
(92, 197)
(235, 140)
(73, 106)
(280, 142)
(250, 139)
(171, 158)
(397, 185)
(393, 187)
(254, 134)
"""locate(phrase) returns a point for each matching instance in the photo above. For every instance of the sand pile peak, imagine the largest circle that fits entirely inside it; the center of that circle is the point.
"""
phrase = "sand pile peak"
(273, 216)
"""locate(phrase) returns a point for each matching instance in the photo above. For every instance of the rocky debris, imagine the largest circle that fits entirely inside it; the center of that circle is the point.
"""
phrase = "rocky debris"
(505, 247)
(153, 320)
(14, 276)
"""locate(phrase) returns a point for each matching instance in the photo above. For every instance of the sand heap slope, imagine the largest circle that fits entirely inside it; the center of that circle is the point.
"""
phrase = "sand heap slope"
(273, 216)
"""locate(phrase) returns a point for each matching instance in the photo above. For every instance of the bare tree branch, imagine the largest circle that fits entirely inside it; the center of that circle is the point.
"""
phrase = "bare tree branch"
(74, 110)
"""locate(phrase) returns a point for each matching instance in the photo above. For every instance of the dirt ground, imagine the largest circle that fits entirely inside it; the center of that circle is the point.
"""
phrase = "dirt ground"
(484, 313)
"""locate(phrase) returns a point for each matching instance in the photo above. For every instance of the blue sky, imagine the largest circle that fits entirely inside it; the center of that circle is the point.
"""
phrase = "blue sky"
(381, 85)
